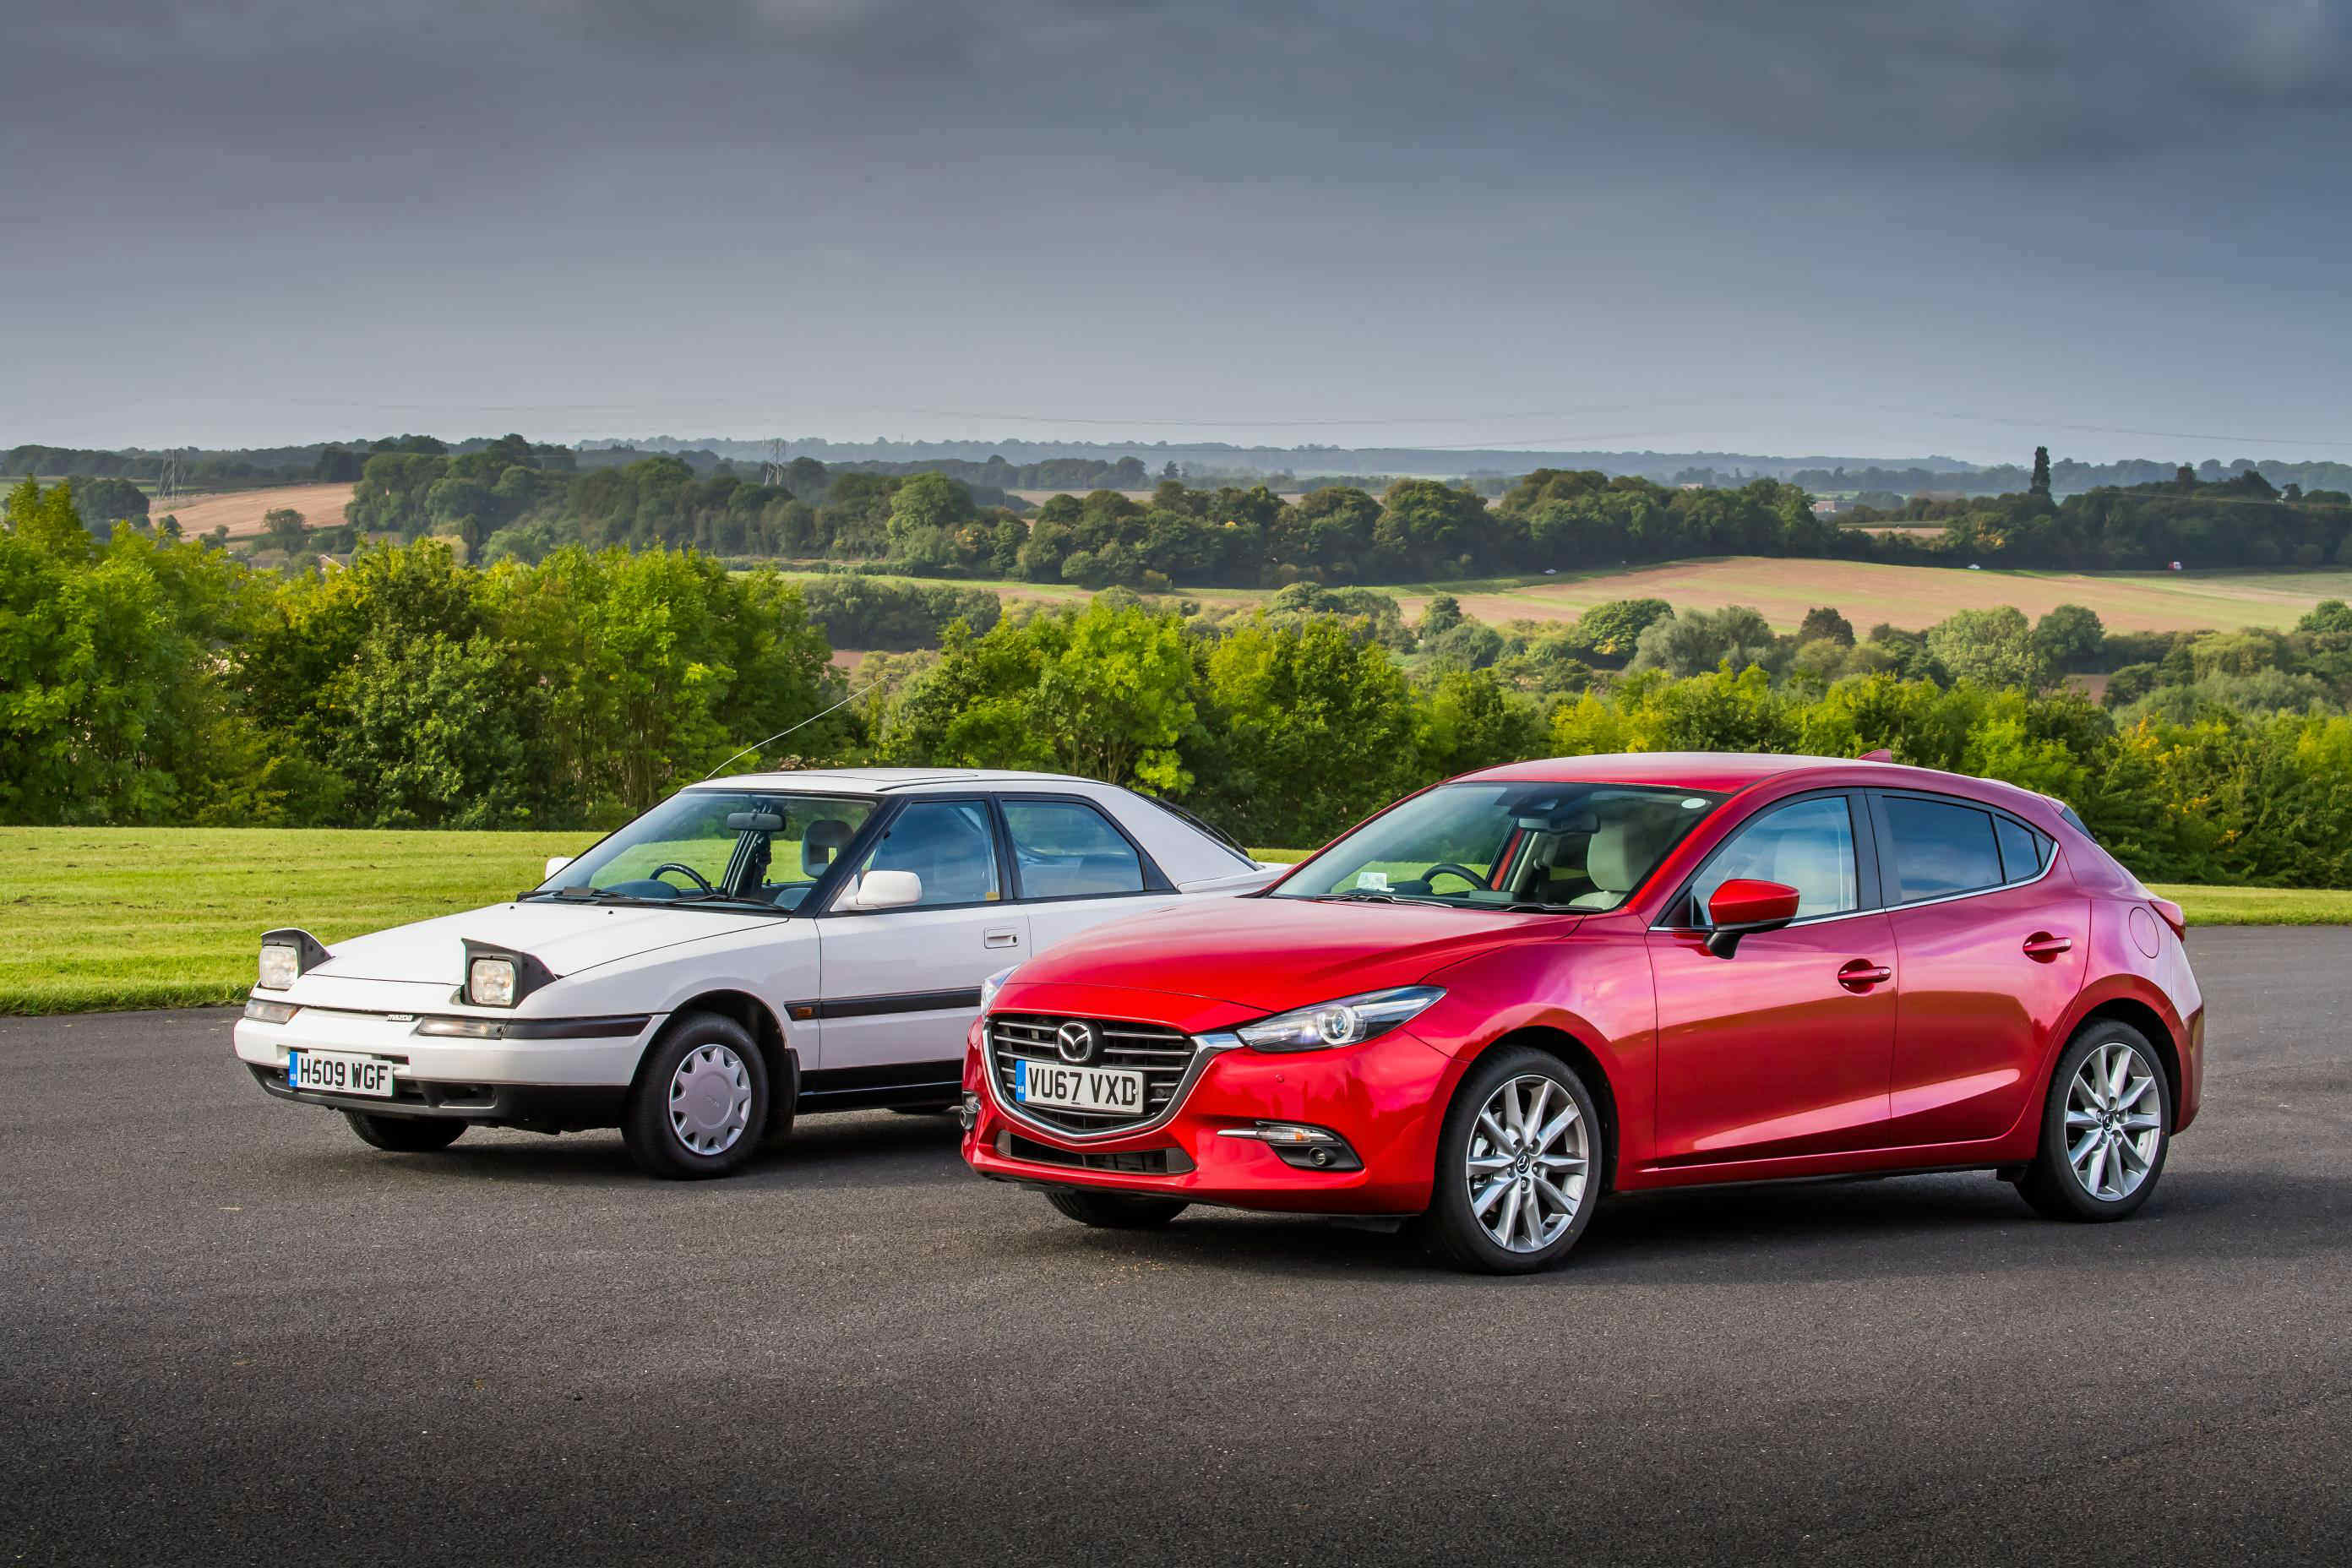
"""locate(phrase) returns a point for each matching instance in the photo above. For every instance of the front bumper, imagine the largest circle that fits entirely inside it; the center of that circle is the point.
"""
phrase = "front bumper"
(565, 1069)
(1385, 1097)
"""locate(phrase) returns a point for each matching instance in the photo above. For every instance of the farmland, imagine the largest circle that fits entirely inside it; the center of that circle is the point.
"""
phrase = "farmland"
(106, 918)
(321, 506)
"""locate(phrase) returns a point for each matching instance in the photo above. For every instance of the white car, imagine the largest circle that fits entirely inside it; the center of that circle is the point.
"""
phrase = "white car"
(751, 949)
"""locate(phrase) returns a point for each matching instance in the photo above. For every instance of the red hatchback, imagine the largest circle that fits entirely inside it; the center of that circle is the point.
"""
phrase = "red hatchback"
(1524, 988)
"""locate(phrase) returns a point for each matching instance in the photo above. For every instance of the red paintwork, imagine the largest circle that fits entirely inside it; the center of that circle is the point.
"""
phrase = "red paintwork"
(1744, 901)
(1914, 1038)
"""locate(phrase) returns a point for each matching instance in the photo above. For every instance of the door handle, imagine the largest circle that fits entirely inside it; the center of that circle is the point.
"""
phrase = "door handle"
(2042, 946)
(1001, 936)
(1860, 974)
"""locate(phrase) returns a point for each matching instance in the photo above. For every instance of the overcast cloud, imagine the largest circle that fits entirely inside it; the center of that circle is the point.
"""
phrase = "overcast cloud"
(1880, 227)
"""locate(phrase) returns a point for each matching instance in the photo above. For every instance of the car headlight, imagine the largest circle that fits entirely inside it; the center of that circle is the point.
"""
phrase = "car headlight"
(266, 1012)
(992, 984)
(281, 966)
(491, 982)
(1347, 1022)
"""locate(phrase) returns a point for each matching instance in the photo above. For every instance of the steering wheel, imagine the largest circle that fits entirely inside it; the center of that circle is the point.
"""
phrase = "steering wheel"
(1450, 868)
(674, 866)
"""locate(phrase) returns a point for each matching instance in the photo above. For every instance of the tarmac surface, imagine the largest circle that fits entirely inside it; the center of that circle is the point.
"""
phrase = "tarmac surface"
(230, 1333)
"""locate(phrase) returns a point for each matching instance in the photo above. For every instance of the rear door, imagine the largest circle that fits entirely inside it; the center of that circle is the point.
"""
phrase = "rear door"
(900, 986)
(1074, 867)
(1781, 1048)
(1990, 947)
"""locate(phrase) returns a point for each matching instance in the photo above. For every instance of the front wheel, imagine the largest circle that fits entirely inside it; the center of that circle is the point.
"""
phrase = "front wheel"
(700, 1103)
(405, 1134)
(1112, 1211)
(2104, 1128)
(1518, 1165)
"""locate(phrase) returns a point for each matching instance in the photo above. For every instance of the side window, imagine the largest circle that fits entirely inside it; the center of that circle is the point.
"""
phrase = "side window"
(1940, 848)
(2023, 852)
(948, 844)
(1807, 845)
(1067, 851)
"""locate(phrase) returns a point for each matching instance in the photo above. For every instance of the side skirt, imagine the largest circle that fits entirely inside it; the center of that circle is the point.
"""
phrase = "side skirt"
(868, 1089)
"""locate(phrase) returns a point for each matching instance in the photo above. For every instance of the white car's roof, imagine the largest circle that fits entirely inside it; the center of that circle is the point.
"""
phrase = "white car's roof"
(1185, 853)
(894, 781)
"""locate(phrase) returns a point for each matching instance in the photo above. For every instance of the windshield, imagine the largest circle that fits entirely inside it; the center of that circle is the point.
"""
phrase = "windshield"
(1538, 846)
(721, 848)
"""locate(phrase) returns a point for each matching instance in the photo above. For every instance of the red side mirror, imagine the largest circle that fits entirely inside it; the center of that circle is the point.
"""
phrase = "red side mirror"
(1745, 901)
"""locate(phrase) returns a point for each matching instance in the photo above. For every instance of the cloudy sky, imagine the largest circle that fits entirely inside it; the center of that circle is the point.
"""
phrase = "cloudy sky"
(1890, 228)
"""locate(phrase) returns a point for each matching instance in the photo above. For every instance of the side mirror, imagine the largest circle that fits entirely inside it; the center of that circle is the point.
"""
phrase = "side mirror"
(1743, 905)
(885, 890)
(556, 863)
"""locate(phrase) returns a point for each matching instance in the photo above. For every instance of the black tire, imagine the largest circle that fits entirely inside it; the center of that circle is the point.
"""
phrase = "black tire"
(655, 1140)
(2051, 1183)
(1449, 1229)
(1115, 1211)
(405, 1134)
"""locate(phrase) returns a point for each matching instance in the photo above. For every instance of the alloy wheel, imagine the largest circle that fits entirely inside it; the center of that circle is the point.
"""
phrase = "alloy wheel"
(2113, 1122)
(710, 1099)
(1528, 1160)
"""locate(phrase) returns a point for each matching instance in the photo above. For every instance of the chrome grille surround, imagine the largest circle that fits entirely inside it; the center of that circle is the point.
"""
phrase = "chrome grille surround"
(1170, 1061)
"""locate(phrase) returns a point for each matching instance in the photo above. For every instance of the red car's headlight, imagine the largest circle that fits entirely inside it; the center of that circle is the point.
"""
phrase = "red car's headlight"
(1345, 1021)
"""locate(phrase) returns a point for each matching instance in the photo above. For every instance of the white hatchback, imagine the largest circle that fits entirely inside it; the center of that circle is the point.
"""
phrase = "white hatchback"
(751, 949)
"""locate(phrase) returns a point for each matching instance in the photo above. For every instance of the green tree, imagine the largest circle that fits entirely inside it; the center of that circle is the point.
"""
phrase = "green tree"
(2039, 488)
(2069, 637)
(1992, 648)
(1825, 622)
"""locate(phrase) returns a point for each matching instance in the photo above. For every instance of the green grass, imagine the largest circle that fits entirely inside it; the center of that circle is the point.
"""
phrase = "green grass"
(151, 917)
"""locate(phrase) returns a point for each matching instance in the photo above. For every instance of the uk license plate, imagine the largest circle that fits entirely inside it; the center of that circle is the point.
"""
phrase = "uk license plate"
(332, 1072)
(1114, 1089)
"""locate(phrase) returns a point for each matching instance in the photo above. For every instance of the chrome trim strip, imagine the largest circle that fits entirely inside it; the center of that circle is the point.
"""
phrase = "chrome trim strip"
(1206, 1048)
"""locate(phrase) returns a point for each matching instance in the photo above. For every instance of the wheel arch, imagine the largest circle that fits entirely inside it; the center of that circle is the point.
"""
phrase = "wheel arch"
(2150, 1023)
(1554, 1041)
(760, 1021)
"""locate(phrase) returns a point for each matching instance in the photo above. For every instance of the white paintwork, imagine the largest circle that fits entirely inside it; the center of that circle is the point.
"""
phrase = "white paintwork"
(630, 960)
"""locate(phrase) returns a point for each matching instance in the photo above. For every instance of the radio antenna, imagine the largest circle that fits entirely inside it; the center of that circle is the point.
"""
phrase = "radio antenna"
(760, 745)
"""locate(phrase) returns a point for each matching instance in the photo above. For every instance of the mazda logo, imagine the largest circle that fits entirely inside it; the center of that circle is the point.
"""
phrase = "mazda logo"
(1075, 1042)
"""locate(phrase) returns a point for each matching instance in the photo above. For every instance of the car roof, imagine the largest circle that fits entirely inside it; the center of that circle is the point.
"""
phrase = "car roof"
(894, 781)
(1725, 773)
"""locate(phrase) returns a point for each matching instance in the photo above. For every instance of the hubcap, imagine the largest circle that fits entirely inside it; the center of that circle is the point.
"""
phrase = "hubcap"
(1527, 1164)
(710, 1099)
(2113, 1122)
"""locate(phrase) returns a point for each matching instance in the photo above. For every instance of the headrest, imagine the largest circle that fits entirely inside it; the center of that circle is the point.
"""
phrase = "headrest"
(821, 838)
(1622, 849)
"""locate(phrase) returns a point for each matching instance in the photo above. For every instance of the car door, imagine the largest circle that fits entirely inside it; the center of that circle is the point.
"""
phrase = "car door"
(1074, 867)
(1783, 1046)
(901, 985)
(1991, 951)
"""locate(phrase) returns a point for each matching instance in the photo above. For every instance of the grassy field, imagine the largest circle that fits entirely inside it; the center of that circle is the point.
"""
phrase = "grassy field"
(135, 917)
(1866, 593)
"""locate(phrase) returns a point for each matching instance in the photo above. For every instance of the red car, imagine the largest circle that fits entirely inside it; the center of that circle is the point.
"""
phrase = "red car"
(1523, 988)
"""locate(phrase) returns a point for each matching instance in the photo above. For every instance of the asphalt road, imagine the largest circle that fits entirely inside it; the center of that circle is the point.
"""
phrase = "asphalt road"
(230, 1333)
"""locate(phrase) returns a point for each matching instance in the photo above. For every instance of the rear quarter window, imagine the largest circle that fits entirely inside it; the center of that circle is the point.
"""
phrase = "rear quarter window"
(1941, 847)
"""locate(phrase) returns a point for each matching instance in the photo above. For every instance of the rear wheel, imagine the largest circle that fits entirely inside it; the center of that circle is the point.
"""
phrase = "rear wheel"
(1518, 1165)
(405, 1134)
(1116, 1211)
(700, 1103)
(2105, 1127)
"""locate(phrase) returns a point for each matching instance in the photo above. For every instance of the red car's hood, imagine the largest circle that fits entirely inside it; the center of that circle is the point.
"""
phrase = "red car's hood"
(1280, 953)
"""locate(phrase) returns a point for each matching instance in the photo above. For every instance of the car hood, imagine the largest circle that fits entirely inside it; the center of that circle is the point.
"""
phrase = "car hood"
(1278, 953)
(567, 938)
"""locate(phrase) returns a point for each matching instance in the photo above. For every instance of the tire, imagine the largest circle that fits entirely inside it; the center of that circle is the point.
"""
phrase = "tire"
(1115, 1211)
(2076, 1115)
(405, 1134)
(1456, 1226)
(700, 1105)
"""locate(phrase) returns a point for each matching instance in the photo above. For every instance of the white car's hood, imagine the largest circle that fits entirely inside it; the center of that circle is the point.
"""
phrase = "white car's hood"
(567, 938)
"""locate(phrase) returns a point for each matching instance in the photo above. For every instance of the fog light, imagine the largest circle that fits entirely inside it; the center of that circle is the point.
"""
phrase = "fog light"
(1299, 1144)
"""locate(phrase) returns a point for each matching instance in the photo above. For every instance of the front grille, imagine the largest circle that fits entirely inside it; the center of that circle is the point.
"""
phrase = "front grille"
(1135, 1162)
(1162, 1054)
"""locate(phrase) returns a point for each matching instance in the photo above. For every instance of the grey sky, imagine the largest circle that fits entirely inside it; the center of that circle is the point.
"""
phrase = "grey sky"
(1950, 225)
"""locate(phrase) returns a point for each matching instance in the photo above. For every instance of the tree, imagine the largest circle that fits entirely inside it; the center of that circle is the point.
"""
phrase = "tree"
(2069, 637)
(1992, 648)
(1825, 622)
(1443, 615)
(281, 529)
(1691, 642)
(1608, 633)
(2040, 488)
(2329, 618)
